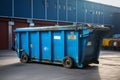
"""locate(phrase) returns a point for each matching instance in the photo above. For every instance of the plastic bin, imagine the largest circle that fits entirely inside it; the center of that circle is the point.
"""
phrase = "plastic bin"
(67, 45)
(105, 42)
(94, 43)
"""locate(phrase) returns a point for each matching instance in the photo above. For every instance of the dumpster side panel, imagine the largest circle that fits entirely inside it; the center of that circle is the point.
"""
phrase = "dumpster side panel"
(34, 46)
(46, 46)
(72, 45)
(58, 46)
(24, 42)
(17, 44)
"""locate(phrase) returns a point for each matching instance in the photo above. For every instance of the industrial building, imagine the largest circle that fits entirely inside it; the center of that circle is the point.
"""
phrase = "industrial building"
(38, 13)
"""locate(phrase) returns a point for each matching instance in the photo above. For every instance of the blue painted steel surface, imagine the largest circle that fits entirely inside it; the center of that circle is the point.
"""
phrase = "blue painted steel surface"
(39, 9)
(95, 13)
(53, 43)
(34, 40)
(52, 9)
(80, 11)
(46, 45)
(116, 21)
(72, 46)
(108, 15)
(6, 7)
(18, 43)
(59, 10)
(24, 41)
(22, 8)
(62, 10)
(88, 12)
(58, 45)
(71, 10)
(101, 14)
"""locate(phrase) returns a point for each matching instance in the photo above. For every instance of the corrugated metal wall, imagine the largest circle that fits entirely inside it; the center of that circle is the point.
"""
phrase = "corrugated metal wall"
(116, 18)
(6, 8)
(62, 10)
(80, 12)
(59, 10)
(39, 9)
(22, 8)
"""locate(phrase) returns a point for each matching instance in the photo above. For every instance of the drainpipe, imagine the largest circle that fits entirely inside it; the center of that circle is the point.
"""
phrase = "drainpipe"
(10, 24)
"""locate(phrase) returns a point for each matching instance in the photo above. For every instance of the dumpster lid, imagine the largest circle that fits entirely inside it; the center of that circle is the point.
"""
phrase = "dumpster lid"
(90, 27)
(46, 28)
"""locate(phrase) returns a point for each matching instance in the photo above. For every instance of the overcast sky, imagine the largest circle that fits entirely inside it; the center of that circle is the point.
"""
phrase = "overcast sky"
(109, 2)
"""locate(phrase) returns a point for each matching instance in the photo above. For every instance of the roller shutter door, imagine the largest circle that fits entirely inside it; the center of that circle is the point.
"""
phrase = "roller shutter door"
(3, 35)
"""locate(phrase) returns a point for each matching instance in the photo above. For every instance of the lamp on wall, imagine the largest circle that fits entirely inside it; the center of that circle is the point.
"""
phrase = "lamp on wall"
(11, 23)
(31, 23)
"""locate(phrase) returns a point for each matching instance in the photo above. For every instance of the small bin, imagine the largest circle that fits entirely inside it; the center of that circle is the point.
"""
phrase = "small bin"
(105, 43)
(67, 45)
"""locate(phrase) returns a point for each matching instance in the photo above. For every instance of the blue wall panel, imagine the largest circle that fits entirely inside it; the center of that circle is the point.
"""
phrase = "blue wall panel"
(80, 11)
(101, 14)
(62, 10)
(88, 12)
(107, 15)
(52, 9)
(116, 21)
(71, 10)
(116, 9)
(95, 13)
(5, 7)
(22, 8)
(111, 11)
(39, 9)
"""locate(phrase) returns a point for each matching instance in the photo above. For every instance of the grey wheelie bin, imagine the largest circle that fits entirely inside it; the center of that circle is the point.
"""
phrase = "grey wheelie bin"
(94, 43)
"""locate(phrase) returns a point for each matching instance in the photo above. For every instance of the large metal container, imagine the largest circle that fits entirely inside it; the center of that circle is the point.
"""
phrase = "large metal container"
(67, 45)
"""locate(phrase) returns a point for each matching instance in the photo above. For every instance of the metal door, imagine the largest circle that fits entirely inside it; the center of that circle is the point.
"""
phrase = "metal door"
(3, 35)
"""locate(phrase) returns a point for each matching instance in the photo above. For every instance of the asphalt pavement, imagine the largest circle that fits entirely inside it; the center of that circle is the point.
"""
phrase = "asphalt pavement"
(12, 69)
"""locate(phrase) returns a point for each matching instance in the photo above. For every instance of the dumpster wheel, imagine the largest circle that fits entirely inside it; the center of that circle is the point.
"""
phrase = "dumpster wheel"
(24, 57)
(68, 62)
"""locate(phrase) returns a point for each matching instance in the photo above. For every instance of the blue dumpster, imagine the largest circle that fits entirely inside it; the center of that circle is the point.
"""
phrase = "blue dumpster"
(67, 45)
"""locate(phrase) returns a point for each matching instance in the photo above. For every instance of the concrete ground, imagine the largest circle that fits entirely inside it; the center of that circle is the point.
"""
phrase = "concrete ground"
(12, 69)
